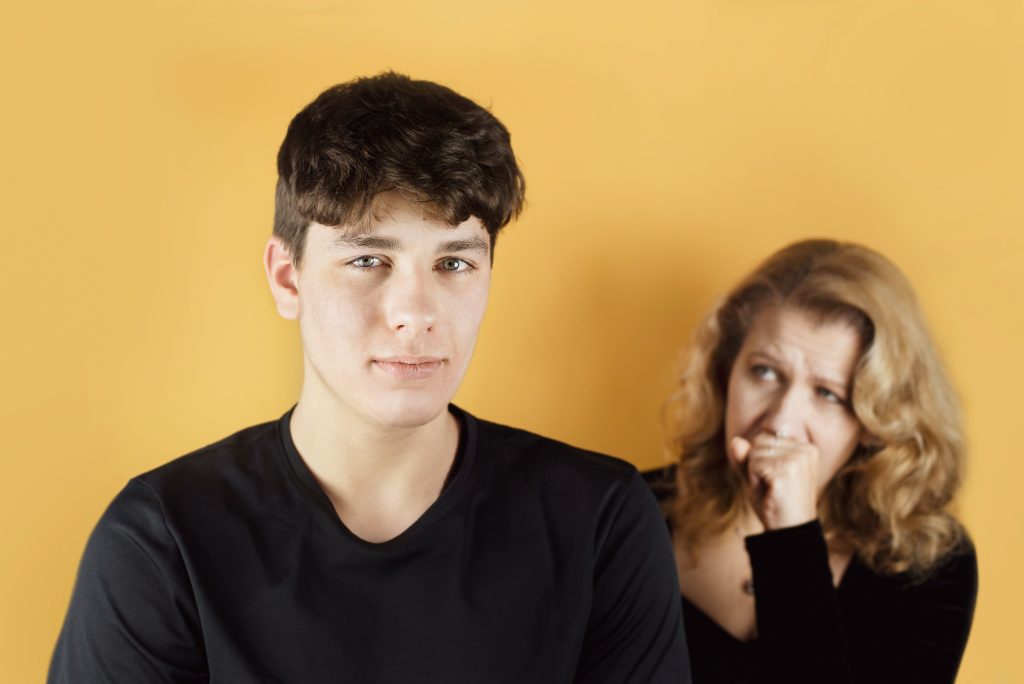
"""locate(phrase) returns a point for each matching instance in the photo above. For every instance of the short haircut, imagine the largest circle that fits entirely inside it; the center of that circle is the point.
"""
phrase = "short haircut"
(390, 133)
(888, 502)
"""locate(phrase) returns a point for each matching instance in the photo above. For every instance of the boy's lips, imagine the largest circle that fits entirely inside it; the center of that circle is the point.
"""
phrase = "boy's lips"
(409, 367)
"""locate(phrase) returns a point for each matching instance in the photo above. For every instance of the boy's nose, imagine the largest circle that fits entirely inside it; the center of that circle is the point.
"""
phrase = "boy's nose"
(410, 306)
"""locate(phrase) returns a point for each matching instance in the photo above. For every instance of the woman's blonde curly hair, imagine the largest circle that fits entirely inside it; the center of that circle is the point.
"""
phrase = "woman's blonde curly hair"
(888, 502)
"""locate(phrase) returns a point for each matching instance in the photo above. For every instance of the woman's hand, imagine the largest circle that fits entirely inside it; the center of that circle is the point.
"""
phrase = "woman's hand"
(781, 475)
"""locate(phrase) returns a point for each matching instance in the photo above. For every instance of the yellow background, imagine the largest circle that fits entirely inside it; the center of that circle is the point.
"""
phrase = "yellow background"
(668, 146)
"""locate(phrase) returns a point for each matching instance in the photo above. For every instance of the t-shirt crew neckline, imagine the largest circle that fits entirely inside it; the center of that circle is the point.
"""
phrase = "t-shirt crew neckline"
(465, 454)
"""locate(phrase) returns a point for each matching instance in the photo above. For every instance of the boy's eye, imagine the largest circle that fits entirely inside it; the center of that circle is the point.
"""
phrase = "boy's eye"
(366, 262)
(454, 265)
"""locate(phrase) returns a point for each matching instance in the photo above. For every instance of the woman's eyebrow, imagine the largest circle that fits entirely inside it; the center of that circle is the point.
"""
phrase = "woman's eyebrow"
(765, 354)
(827, 379)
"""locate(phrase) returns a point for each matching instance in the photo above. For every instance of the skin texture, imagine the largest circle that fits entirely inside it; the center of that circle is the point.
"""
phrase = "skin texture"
(389, 315)
(789, 426)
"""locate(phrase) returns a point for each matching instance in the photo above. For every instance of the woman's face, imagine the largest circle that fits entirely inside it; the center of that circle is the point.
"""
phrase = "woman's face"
(792, 378)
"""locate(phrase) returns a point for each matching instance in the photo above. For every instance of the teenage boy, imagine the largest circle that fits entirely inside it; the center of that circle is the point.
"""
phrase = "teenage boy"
(376, 533)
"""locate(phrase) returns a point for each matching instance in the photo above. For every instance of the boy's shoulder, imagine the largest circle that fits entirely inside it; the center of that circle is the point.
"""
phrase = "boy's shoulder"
(516, 450)
(249, 452)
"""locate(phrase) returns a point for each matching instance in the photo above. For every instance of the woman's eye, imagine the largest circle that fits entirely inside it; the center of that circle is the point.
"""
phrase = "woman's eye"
(829, 395)
(764, 372)
(453, 265)
(366, 262)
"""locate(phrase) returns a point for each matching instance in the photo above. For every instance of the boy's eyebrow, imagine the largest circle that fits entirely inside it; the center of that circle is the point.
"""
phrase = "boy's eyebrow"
(472, 244)
(367, 242)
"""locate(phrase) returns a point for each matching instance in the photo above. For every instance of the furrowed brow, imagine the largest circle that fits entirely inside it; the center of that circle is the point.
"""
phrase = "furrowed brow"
(473, 244)
(833, 380)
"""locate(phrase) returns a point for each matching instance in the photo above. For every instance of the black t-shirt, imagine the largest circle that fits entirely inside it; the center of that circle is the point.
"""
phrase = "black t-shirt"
(871, 629)
(538, 563)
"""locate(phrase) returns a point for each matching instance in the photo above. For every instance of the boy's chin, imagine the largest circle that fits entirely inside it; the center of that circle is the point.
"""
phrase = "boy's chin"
(408, 413)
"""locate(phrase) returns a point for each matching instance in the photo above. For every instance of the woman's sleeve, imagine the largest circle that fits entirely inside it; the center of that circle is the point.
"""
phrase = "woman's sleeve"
(918, 636)
(132, 617)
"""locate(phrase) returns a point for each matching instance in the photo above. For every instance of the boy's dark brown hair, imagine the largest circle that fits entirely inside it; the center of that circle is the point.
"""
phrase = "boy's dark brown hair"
(392, 133)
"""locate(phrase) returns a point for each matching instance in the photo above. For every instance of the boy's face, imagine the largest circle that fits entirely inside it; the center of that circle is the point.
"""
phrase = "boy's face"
(388, 315)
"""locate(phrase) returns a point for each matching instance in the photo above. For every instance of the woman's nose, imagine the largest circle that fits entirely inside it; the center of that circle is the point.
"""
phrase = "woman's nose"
(787, 415)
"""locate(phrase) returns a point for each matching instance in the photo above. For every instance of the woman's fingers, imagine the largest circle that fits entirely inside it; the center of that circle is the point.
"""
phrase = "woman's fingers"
(738, 450)
(782, 478)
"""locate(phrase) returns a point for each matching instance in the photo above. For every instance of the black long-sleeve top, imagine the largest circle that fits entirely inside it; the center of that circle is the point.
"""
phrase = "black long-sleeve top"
(872, 628)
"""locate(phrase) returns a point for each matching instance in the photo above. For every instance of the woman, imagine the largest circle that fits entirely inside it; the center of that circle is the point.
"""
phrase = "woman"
(818, 445)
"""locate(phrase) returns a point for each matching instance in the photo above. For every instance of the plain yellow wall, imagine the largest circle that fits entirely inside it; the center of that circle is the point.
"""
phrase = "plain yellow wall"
(668, 146)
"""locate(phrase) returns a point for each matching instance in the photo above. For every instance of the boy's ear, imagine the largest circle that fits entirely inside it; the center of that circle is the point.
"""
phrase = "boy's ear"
(283, 278)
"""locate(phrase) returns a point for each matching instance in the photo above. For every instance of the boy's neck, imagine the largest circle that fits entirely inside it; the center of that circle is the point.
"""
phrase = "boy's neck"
(380, 478)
